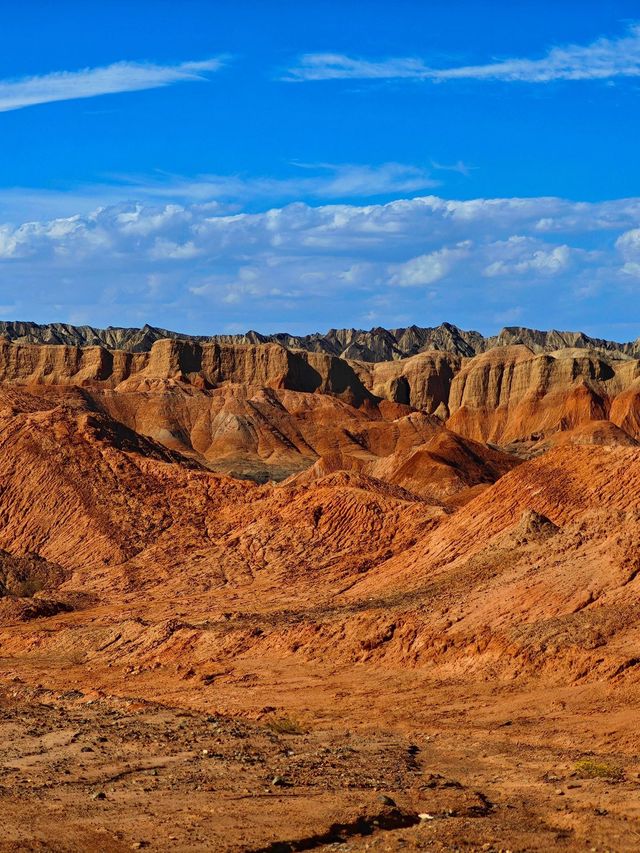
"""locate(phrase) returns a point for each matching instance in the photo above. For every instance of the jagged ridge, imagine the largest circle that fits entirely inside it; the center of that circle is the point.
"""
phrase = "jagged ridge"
(375, 345)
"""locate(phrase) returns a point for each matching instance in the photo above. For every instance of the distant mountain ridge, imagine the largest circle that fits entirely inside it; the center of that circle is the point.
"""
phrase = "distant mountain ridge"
(374, 345)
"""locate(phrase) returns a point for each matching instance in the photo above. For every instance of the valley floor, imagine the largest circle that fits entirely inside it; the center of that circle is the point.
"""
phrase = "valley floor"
(332, 758)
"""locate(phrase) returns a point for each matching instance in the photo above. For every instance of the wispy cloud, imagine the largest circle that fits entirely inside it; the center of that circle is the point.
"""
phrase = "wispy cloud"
(460, 167)
(218, 193)
(90, 82)
(602, 59)
(313, 180)
(334, 66)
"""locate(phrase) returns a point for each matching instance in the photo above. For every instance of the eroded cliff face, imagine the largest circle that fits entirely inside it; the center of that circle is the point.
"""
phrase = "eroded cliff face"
(511, 394)
(422, 381)
(507, 395)
(199, 365)
(26, 364)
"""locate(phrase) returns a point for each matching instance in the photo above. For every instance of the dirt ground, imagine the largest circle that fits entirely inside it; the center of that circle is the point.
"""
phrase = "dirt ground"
(430, 766)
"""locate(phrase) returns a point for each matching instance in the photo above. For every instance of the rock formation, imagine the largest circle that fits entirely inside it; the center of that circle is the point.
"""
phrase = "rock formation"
(509, 395)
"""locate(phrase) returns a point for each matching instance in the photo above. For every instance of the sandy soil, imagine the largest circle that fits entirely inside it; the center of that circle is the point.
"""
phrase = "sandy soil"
(430, 766)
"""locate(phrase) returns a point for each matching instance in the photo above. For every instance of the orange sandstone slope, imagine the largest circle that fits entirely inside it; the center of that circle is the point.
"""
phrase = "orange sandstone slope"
(117, 528)
(396, 540)
(535, 575)
(85, 491)
(442, 467)
(538, 573)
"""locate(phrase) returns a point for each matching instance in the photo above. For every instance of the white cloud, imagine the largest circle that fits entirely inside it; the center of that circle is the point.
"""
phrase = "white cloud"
(519, 255)
(193, 266)
(429, 268)
(627, 244)
(90, 82)
(8, 241)
(331, 66)
(602, 59)
(631, 268)
(168, 249)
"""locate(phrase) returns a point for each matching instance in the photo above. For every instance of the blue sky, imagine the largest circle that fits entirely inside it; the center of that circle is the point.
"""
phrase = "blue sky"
(221, 166)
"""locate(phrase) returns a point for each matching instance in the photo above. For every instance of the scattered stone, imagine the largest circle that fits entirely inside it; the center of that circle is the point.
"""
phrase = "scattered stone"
(387, 801)
(72, 694)
(99, 795)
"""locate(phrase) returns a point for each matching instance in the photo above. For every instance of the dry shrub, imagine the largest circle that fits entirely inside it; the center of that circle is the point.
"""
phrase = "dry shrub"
(592, 768)
(283, 725)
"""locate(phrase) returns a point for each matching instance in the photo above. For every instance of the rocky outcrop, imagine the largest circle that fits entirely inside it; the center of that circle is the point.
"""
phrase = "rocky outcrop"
(27, 364)
(602, 433)
(540, 342)
(131, 340)
(512, 394)
(422, 381)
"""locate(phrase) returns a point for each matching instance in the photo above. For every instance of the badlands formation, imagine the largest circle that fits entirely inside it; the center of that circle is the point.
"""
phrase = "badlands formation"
(371, 590)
